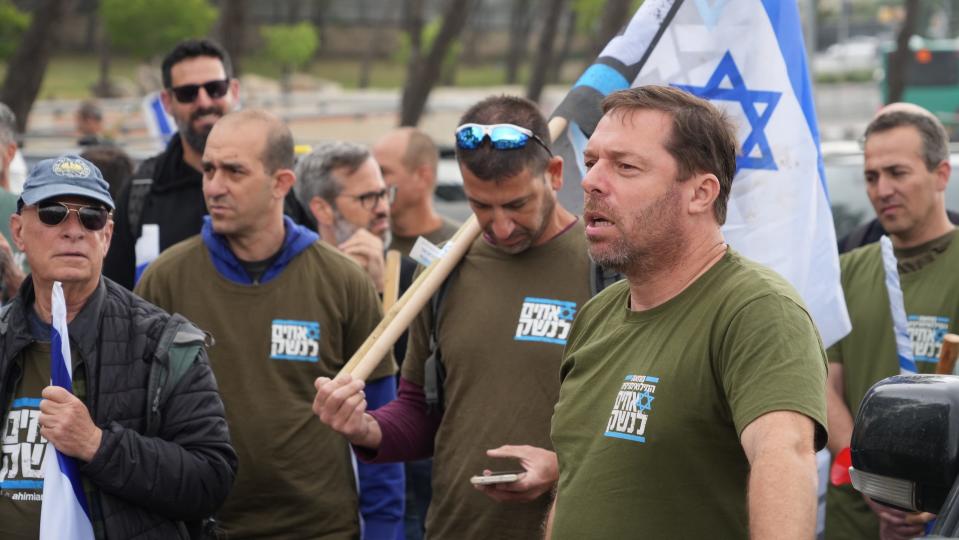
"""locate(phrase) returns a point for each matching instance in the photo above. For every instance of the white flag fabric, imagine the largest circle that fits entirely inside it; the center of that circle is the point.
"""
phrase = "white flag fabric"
(747, 58)
(63, 513)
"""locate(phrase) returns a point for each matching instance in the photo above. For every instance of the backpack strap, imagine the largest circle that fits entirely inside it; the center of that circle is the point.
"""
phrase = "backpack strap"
(434, 373)
(139, 189)
(176, 351)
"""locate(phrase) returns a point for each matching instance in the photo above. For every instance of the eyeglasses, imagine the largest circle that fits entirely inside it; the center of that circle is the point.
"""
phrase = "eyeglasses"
(501, 136)
(370, 199)
(92, 217)
(187, 93)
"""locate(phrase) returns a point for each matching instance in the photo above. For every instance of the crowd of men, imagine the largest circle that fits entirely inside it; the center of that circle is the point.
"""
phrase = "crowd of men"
(685, 400)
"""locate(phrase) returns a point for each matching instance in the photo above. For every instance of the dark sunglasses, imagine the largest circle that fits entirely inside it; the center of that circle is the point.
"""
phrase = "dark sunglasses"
(501, 136)
(369, 199)
(187, 93)
(92, 217)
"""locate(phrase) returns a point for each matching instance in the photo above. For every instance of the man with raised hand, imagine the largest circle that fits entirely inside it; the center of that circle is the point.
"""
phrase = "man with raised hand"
(284, 309)
(484, 400)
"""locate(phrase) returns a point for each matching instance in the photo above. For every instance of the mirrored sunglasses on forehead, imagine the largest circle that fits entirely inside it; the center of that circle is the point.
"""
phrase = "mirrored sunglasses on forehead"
(187, 93)
(369, 199)
(501, 136)
(93, 217)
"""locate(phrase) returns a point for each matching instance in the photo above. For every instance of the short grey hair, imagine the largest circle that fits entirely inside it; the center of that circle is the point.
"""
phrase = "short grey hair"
(935, 139)
(8, 125)
(315, 171)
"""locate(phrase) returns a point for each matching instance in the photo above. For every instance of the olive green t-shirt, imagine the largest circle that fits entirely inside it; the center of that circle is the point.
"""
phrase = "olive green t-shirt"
(295, 475)
(404, 244)
(929, 277)
(653, 403)
(502, 327)
(21, 463)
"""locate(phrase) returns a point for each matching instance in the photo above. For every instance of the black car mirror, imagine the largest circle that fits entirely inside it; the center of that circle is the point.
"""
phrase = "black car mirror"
(905, 443)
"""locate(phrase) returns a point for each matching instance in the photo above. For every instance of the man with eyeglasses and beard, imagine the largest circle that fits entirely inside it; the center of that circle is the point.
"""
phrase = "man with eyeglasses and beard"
(499, 333)
(163, 204)
(138, 481)
(341, 185)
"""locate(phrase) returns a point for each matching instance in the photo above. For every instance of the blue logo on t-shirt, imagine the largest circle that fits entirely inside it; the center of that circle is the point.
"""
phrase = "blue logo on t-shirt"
(927, 332)
(295, 340)
(21, 462)
(632, 408)
(546, 320)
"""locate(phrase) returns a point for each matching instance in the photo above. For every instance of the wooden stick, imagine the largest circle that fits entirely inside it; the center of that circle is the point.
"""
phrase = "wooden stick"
(948, 354)
(391, 283)
(402, 313)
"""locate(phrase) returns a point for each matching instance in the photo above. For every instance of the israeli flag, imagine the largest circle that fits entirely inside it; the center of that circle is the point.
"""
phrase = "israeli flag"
(747, 58)
(64, 514)
(159, 123)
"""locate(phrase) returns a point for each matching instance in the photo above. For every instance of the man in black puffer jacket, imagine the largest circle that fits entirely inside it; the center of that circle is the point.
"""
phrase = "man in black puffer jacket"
(154, 461)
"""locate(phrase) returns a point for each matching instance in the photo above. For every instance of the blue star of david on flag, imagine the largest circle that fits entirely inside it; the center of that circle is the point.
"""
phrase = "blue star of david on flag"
(757, 116)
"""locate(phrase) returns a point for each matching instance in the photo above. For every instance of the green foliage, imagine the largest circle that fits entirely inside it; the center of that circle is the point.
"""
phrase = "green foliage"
(290, 45)
(13, 23)
(588, 13)
(430, 31)
(145, 28)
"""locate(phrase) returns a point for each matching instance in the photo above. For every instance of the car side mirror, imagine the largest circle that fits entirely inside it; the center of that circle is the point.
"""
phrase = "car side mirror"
(905, 443)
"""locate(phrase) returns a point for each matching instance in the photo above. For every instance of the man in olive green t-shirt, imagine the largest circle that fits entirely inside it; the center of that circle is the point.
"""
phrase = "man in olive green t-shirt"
(906, 170)
(500, 328)
(284, 309)
(408, 158)
(692, 397)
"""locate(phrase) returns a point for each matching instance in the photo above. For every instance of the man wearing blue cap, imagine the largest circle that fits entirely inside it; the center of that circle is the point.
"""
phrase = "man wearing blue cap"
(153, 462)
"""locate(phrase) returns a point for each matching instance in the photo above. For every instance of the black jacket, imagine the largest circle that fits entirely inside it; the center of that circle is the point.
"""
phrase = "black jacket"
(145, 487)
(175, 203)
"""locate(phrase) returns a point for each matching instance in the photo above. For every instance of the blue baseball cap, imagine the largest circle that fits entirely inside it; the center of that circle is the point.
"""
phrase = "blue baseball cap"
(66, 175)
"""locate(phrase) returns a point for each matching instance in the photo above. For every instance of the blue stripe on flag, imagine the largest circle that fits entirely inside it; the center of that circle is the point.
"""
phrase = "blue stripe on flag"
(603, 79)
(160, 114)
(784, 18)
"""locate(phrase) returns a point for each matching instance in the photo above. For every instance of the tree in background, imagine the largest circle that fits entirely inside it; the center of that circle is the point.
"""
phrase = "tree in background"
(613, 16)
(900, 58)
(28, 64)
(13, 23)
(520, 24)
(291, 46)
(424, 71)
(231, 30)
(544, 51)
(148, 29)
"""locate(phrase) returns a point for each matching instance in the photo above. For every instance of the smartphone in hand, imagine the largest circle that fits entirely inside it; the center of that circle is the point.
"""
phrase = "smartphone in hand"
(497, 477)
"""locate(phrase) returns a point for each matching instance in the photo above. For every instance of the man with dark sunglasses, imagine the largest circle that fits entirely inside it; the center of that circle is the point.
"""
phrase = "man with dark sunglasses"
(480, 377)
(153, 464)
(163, 204)
(284, 308)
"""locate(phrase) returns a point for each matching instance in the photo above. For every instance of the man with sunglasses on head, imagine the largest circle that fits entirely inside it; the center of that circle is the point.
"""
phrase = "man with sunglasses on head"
(499, 333)
(285, 309)
(152, 463)
(163, 204)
